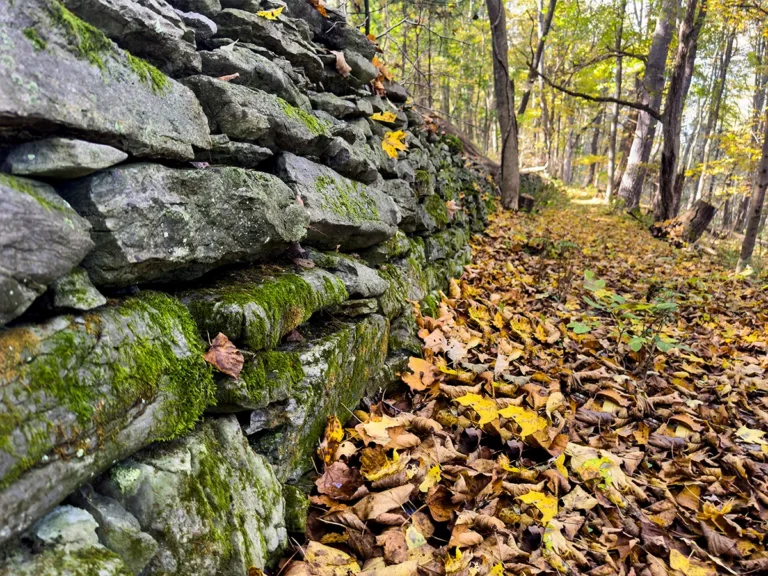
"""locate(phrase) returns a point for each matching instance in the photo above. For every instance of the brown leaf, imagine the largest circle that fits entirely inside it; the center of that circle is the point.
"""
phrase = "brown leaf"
(341, 64)
(409, 568)
(462, 537)
(395, 548)
(376, 504)
(718, 544)
(224, 356)
(339, 481)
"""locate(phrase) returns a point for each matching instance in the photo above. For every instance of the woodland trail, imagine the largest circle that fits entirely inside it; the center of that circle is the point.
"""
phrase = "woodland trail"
(590, 401)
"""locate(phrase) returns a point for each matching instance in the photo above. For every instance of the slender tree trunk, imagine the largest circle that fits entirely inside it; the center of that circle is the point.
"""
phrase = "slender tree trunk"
(538, 56)
(505, 105)
(598, 122)
(680, 81)
(631, 187)
(615, 112)
(755, 205)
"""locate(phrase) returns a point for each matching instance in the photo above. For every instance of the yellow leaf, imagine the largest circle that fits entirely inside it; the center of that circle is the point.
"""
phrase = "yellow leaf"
(497, 570)
(432, 478)
(329, 561)
(384, 116)
(271, 14)
(394, 141)
(528, 420)
(560, 466)
(690, 566)
(750, 435)
(334, 434)
(546, 504)
(485, 407)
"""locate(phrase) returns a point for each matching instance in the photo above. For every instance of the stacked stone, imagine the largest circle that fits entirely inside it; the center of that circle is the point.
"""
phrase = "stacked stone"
(172, 170)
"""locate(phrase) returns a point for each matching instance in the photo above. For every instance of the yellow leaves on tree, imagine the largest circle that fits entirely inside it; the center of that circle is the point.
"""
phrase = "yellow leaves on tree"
(271, 14)
(394, 142)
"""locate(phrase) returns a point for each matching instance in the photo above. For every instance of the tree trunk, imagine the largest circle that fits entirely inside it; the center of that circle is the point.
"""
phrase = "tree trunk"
(593, 147)
(652, 87)
(505, 105)
(538, 56)
(680, 81)
(615, 112)
(696, 220)
(755, 205)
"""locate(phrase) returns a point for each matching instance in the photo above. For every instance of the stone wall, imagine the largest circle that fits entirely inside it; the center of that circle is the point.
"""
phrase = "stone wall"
(175, 169)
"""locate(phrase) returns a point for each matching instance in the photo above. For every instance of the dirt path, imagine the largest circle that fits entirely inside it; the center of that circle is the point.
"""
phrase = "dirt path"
(590, 400)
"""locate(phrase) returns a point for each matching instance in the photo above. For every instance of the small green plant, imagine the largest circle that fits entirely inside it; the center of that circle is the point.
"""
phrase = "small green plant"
(639, 325)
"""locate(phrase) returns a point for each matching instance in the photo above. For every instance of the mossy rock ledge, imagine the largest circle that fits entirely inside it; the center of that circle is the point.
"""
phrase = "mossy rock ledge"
(79, 393)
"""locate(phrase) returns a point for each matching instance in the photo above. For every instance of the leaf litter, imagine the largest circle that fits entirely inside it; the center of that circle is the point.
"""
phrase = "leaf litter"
(589, 401)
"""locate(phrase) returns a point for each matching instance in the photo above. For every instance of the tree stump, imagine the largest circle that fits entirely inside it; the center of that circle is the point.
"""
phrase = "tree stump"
(689, 226)
(526, 203)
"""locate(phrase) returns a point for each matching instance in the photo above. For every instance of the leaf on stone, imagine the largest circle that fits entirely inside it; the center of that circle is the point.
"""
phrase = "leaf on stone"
(387, 117)
(394, 142)
(224, 356)
(341, 63)
(271, 14)
(229, 77)
(327, 561)
(320, 7)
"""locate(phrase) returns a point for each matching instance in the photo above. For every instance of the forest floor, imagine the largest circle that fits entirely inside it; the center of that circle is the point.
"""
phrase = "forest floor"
(590, 400)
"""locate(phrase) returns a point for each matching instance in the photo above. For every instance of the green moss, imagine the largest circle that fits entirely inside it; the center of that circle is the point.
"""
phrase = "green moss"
(270, 376)
(347, 199)
(148, 73)
(313, 124)
(25, 187)
(90, 43)
(34, 37)
(296, 508)
(435, 207)
(453, 143)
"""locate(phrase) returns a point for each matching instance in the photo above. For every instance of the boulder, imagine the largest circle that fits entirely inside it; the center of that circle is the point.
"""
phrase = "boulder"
(332, 104)
(34, 220)
(255, 71)
(225, 151)
(207, 7)
(244, 113)
(359, 280)
(282, 39)
(78, 393)
(152, 223)
(355, 161)
(395, 91)
(342, 213)
(407, 201)
(362, 68)
(61, 158)
(76, 80)
(333, 368)
(203, 26)
(65, 544)
(255, 308)
(74, 291)
(213, 505)
(149, 29)
(117, 530)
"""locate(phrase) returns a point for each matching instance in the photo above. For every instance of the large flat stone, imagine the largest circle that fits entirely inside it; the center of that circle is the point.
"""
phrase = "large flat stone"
(49, 82)
(150, 29)
(214, 506)
(78, 393)
(61, 158)
(255, 308)
(330, 373)
(152, 223)
(342, 213)
(41, 239)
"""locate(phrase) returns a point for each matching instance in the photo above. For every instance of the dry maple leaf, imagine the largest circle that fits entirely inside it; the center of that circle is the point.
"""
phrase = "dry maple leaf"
(320, 7)
(224, 356)
(341, 63)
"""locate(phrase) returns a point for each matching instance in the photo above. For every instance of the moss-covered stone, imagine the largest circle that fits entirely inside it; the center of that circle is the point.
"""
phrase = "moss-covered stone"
(78, 392)
(435, 207)
(340, 361)
(35, 38)
(313, 124)
(296, 508)
(256, 308)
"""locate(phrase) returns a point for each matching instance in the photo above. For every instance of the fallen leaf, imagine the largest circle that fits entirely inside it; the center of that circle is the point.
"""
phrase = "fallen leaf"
(394, 142)
(224, 356)
(271, 14)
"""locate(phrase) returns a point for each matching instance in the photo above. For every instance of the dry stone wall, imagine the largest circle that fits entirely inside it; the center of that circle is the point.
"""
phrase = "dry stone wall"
(169, 170)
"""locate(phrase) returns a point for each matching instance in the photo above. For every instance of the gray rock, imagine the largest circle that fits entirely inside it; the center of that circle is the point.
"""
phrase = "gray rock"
(207, 7)
(256, 71)
(213, 505)
(377, 103)
(359, 279)
(354, 161)
(396, 247)
(74, 291)
(34, 220)
(147, 28)
(225, 151)
(203, 26)
(60, 158)
(342, 212)
(395, 91)
(362, 68)
(357, 307)
(65, 88)
(255, 309)
(272, 34)
(66, 545)
(364, 107)
(405, 171)
(135, 371)
(361, 125)
(118, 530)
(248, 114)
(333, 368)
(333, 105)
(152, 223)
(405, 198)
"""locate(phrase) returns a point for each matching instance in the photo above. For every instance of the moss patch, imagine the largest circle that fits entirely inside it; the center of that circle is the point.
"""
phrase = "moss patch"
(347, 199)
(296, 508)
(313, 124)
(34, 37)
(148, 73)
(89, 42)
(435, 207)
(25, 187)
